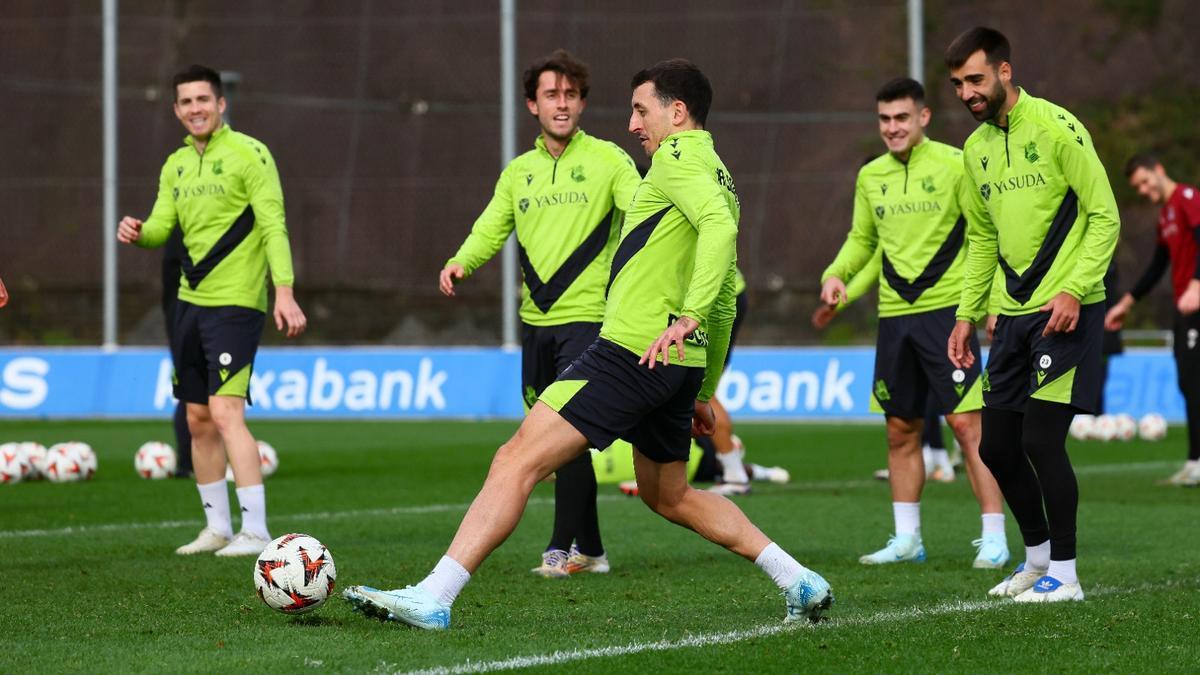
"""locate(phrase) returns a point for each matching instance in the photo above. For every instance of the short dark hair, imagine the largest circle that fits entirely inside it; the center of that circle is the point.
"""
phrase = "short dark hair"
(197, 73)
(1142, 160)
(993, 43)
(558, 61)
(679, 80)
(901, 88)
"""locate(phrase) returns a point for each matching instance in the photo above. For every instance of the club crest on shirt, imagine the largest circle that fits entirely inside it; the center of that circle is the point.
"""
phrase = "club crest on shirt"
(577, 173)
(1031, 152)
(927, 184)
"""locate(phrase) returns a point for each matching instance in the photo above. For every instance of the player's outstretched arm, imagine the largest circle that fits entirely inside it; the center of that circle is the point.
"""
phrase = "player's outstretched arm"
(288, 315)
(704, 421)
(129, 230)
(447, 276)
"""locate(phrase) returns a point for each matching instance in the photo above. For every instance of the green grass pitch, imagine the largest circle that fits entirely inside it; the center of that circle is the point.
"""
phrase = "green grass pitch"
(91, 582)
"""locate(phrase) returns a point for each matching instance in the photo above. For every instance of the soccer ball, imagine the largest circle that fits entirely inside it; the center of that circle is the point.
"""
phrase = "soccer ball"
(14, 464)
(87, 460)
(1105, 428)
(1152, 427)
(64, 463)
(267, 457)
(37, 458)
(294, 574)
(1126, 427)
(155, 460)
(1083, 427)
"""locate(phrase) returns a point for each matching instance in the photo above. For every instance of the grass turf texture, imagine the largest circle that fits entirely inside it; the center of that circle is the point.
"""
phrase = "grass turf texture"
(386, 498)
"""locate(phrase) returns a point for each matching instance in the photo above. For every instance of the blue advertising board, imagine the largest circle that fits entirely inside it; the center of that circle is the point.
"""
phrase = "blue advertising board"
(347, 382)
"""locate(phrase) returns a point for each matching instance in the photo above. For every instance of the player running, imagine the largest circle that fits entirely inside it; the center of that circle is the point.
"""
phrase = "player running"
(566, 199)
(673, 268)
(1040, 207)
(1178, 246)
(908, 205)
(222, 190)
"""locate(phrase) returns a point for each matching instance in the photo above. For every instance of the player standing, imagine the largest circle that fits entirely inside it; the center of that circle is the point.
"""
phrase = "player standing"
(1179, 247)
(1041, 209)
(222, 189)
(566, 199)
(907, 205)
(674, 267)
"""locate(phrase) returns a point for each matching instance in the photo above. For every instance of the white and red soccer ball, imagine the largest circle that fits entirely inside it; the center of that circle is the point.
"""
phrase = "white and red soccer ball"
(14, 464)
(268, 459)
(294, 574)
(1152, 427)
(155, 461)
(70, 462)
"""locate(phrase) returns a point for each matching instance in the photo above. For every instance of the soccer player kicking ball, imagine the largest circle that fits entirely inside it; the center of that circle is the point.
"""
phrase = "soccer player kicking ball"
(566, 199)
(908, 205)
(674, 267)
(1041, 208)
(1179, 246)
(222, 189)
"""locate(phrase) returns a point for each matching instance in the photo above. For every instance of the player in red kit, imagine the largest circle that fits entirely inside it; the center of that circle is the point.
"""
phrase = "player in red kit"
(1179, 247)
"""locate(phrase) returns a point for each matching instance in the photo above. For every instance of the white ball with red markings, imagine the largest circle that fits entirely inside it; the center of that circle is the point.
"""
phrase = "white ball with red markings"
(1105, 428)
(294, 574)
(87, 459)
(1082, 427)
(1152, 427)
(36, 452)
(64, 463)
(14, 464)
(155, 461)
(1126, 427)
(268, 460)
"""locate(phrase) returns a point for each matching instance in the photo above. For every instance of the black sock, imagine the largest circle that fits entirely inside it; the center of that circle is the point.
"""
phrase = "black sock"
(1002, 451)
(575, 517)
(183, 440)
(1044, 438)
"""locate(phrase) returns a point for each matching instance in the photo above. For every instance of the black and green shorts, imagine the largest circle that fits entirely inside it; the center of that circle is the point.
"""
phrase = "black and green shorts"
(1060, 367)
(912, 367)
(546, 351)
(213, 350)
(606, 395)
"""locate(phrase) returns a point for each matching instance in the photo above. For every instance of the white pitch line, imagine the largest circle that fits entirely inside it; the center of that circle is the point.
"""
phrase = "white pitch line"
(730, 637)
(443, 508)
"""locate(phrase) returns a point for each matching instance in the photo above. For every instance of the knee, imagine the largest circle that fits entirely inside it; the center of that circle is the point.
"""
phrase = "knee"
(199, 420)
(965, 425)
(227, 418)
(901, 432)
(994, 455)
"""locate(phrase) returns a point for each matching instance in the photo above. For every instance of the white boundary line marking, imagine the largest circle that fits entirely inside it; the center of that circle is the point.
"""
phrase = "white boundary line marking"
(729, 637)
(443, 508)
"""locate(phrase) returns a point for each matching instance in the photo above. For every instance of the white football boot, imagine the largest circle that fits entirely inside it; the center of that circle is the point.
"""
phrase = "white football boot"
(244, 543)
(900, 548)
(1016, 583)
(206, 542)
(1049, 589)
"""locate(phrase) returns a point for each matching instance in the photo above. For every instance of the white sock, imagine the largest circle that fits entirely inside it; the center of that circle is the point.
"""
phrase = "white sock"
(1192, 463)
(253, 500)
(908, 517)
(756, 471)
(1063, 570)
(215, 498)
(446, 580)
(1038, 557)
(732, 469)
(993, 523)
(781, 567)
(939, 456)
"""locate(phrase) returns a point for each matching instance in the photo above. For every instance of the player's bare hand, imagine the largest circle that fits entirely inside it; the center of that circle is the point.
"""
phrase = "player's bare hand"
(1189, 302)
(822, 316)
(674, 335)
(3, 294)
(1114, 318)
(833, 292)
(1064, 314)
(447, 276)
(129, 230)
(958, 347)
(991, 327)
(288, 315)
(704, 422)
